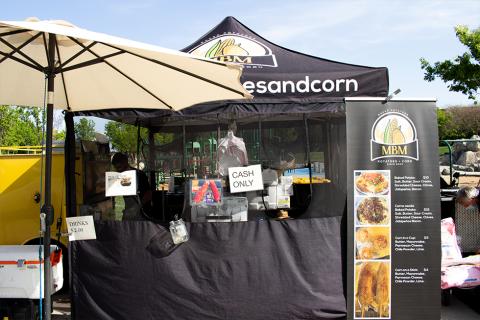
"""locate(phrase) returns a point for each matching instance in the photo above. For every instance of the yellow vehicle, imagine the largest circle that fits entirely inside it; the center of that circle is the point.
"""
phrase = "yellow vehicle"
(21, 195)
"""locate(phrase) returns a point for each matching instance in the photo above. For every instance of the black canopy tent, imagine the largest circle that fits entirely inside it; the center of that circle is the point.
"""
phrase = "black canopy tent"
(281, 80)
(272, 71)
(256, 270)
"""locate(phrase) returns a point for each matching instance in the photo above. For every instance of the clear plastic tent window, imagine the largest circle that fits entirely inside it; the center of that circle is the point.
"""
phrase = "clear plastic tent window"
(302, 157)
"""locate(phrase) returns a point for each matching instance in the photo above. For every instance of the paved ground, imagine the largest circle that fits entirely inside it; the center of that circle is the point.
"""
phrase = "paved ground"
(457, 310)
(61, 307)
(468, 181)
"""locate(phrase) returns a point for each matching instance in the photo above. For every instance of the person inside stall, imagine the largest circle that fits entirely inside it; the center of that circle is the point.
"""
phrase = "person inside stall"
(136, 207)
(469, 196)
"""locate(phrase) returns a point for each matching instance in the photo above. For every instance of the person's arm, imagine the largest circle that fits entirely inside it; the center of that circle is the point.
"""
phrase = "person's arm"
(147, 197)
(144, 188)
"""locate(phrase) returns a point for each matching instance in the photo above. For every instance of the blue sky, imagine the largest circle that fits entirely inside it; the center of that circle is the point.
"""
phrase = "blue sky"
(393, 33)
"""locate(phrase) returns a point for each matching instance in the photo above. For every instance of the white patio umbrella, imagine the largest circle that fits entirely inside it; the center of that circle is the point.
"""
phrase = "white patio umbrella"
(84, 70)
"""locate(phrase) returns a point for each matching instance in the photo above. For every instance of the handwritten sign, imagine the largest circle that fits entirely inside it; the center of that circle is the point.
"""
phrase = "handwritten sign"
(245, 178)
(81, 228)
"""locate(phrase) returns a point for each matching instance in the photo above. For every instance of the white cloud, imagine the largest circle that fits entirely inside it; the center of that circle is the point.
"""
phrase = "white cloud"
(436, 15)
(127, 7)
(288, 21)
(369, 22)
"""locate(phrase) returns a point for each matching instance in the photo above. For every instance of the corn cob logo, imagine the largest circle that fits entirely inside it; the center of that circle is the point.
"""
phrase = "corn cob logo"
(226, 48)
(394, 135)
(235, 48)
(393, 132)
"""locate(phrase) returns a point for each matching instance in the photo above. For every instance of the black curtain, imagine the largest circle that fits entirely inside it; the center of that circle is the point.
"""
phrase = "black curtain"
(267, 270)
(71, 200)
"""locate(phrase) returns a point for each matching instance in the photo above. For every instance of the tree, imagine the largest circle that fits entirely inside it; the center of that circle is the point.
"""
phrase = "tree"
(59, 132)
(463, 72)
(21, 126)
(59, 135)
(123, 137)
(458, 122)
(447, 128)
(85, 129)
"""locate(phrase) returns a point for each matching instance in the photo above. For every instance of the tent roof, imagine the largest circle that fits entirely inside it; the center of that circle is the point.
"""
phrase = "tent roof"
(267, 65)
(272, 71)
(221, 111)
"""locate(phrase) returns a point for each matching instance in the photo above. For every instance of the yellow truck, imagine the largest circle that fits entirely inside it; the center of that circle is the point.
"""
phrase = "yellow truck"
(21, 199)
(21, 195)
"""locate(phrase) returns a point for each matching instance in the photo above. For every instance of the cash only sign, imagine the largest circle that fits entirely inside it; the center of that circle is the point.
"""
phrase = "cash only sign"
(244, 179)
(393, 209)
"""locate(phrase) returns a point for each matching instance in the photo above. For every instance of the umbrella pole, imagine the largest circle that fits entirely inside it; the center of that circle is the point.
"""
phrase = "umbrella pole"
(48, 208)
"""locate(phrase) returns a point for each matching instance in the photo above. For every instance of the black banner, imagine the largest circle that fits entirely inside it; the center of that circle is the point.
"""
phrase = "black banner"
(393, 210)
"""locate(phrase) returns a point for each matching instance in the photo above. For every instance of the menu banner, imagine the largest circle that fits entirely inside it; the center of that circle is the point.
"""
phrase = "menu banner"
(393, 253)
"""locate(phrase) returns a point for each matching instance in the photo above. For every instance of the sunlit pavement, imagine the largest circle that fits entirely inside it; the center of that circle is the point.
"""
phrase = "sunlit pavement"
(61, 307)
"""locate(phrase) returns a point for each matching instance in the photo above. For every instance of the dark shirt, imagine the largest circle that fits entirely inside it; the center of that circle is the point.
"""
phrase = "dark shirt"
(133, 204)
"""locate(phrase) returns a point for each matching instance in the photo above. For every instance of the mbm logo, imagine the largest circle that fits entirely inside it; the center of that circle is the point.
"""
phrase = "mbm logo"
(393, 136)
(236, 48)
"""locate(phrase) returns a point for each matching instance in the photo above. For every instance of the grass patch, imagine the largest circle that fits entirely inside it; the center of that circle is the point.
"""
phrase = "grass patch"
(443, 150)
(119, 206)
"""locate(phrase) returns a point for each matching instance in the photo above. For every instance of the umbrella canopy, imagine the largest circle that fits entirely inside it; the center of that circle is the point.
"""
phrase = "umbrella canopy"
(84, 70)
(98, 71)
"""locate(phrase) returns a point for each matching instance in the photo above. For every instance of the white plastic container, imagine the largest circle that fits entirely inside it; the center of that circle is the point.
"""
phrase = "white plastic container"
(21, 271)
(179, 231)
(278, 197)
(233, 209)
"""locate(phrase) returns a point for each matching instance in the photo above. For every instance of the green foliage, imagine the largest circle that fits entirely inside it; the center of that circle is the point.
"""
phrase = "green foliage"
(59, 135)
(20, 126)
(446, 128)
(163, 138)
(458, 122)
(123, 137)
(463, 72)
(85, 129)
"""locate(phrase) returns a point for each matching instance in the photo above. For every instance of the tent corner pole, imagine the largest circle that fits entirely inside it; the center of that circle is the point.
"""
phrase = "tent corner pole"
(184, 146)
(151, 158)
(309, 161)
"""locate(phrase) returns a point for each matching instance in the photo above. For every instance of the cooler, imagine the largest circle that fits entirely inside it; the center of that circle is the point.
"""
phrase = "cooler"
(21, 271)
